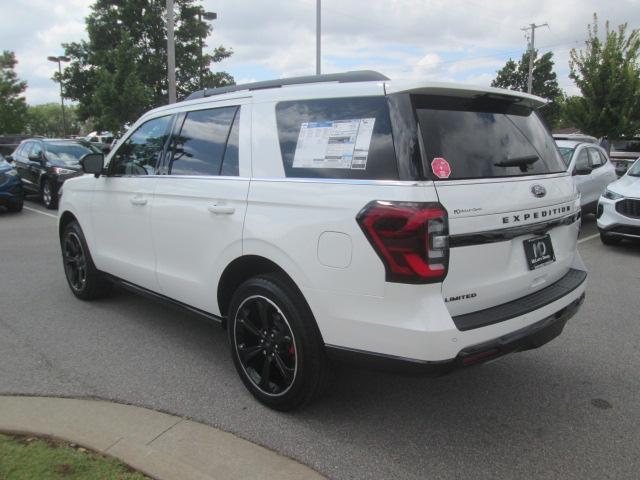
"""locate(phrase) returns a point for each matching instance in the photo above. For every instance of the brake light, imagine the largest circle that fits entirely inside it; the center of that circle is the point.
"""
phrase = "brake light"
(411, 239)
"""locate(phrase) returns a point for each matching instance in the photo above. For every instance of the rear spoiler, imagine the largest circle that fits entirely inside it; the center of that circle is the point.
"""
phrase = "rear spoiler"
(463, 91)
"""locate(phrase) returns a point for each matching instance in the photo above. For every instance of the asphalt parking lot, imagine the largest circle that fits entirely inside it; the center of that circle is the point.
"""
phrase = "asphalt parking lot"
(568, 410)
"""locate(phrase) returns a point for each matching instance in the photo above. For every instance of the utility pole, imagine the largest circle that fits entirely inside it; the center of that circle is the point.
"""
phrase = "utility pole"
(171, 53)
(318, 30)
(532, 40)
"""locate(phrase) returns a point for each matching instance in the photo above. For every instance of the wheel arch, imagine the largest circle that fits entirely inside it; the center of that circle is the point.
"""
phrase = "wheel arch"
(65, 219)
(240, 270)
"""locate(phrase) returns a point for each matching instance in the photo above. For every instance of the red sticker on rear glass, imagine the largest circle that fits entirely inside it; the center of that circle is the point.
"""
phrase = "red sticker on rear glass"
(440, 167)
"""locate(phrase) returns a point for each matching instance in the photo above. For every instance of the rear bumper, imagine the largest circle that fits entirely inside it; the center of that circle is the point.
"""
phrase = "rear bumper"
(528, 338)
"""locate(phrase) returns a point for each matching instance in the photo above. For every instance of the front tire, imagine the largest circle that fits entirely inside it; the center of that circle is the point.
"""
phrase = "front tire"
(49, 195)
(276, 346)
(84, 279)
(609, 239)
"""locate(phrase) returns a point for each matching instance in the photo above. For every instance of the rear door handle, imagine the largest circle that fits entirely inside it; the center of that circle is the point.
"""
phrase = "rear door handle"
(221, 209)
(138, 200)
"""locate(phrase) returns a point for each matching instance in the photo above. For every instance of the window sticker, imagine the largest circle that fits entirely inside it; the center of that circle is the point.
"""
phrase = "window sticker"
(440, 167)
(334, 144)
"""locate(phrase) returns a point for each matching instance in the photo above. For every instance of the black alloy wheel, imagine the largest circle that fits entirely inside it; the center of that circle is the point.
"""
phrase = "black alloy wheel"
(49, 195)
(276, 345)
(75, 261)
(265, 345)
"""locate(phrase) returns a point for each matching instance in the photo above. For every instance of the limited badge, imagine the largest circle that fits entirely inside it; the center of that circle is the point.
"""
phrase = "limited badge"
(441, 167)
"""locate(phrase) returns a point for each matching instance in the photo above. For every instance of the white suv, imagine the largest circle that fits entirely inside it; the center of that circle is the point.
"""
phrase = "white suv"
(418, 226)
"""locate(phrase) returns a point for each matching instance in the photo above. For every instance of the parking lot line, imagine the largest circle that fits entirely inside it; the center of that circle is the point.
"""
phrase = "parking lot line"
(590, 237)
(40, 212)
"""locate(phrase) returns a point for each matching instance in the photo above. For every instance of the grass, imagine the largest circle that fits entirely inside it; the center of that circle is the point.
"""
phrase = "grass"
(30, 458)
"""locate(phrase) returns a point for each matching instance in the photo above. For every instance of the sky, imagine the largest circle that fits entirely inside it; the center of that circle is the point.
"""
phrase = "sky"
(462, 41)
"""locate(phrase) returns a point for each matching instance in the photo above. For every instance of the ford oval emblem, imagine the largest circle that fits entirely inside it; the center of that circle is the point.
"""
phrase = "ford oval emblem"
(538, 191)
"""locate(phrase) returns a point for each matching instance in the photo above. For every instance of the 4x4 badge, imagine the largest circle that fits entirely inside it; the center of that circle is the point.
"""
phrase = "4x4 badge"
(538, 191)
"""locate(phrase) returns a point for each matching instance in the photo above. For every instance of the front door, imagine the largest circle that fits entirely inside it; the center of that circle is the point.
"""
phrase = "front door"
(122, 204)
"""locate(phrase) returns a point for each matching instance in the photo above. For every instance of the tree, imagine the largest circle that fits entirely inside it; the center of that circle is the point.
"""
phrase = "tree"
(13, 107)
(121, 70)
(514, 76)
(46, 120)
(608, 76)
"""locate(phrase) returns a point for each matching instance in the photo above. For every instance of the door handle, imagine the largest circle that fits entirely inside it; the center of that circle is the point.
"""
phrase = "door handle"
(221, 209)
(138, 200)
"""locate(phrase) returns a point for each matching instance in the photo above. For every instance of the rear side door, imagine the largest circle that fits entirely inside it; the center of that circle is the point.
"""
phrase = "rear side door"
(603, 172)
(200, 202)
(21, 162)
(585, 183)
(502, 181)
(122, 201)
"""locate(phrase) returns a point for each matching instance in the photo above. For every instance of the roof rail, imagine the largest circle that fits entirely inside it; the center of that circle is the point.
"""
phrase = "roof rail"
(345, 77)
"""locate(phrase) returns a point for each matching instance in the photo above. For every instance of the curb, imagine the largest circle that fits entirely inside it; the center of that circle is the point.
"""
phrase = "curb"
(159, 445)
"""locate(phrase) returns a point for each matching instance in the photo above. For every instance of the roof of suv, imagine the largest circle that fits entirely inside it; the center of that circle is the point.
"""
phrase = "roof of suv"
(357, 83)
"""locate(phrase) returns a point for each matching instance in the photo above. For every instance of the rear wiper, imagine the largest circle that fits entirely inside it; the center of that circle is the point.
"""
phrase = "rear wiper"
(522, 162)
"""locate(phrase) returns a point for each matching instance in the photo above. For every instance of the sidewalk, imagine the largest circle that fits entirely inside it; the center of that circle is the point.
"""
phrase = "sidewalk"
(159, 445)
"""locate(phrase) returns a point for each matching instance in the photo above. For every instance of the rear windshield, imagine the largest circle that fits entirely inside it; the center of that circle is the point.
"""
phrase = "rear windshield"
(346, 138)
(484, 138)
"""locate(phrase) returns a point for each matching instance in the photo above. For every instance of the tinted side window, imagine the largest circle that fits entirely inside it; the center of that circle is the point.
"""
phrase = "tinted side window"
(230, 163)
(140, 153)
(337, 138)
(199, 147)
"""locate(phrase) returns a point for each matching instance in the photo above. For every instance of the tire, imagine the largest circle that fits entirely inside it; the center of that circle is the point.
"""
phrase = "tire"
(16, 206)
(49, 195)
(84, 279)
(292, 346)
(609, 239)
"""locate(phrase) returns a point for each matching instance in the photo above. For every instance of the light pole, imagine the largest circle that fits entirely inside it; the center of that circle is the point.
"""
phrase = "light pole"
(171, 53)
(318, 38)
(210, 16)
(59, 61)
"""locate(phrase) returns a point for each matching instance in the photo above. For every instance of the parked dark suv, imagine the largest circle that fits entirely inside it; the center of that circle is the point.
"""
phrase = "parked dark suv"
(44, 164)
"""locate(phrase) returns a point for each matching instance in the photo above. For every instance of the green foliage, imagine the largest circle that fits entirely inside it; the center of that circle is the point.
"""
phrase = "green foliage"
(514, 76)
(121, 71)
(608, 75)
(46, 120)
(24, 458)
(13, 107)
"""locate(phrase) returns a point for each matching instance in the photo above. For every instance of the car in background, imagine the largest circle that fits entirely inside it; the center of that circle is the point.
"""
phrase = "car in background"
(624, 152)
(619, 208)
(101, 140)
(591, 169)
(576, 137)
(11, 193)
(44, 164)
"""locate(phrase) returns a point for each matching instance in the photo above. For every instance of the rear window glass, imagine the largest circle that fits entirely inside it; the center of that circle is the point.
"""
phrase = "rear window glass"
(566, 153)
(484, 138)
(345, 138)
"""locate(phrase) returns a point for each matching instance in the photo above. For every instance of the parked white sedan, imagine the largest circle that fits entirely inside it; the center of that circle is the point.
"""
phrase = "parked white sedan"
(591, 169)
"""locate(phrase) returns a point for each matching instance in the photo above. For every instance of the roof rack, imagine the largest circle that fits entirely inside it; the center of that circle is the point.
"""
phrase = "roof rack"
(346, 77)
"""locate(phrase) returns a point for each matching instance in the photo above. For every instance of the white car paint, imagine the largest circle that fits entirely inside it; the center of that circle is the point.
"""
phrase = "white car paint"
(163, 232)
(595, 158)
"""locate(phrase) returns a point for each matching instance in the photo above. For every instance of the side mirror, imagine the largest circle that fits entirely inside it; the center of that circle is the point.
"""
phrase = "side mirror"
(92, 163)
(9, 158)
(35, 158)
(582, 171)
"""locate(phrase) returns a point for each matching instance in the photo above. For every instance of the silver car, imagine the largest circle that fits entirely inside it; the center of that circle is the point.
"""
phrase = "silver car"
(592, 171)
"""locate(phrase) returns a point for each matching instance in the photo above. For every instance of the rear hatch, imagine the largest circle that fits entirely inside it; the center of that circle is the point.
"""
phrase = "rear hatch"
(513, 210)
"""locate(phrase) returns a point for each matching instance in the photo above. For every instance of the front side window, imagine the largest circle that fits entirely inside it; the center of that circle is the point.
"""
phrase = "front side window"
(596, 161)
(346, 138)
(200, 147)
(36, 150)
(484, 137)
(141, 152)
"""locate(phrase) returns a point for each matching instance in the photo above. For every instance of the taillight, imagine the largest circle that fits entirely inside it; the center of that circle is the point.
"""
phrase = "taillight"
(411, 239)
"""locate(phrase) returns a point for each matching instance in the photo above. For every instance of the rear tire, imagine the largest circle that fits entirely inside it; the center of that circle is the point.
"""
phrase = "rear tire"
(49, 195)
(609, 239)
(276, 346)
(84, 279)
